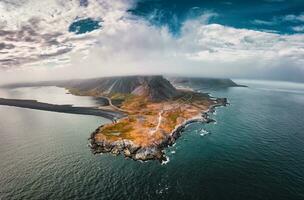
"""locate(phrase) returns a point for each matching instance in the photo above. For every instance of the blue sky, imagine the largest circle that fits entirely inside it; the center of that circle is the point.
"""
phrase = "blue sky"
(264, 15)
(262, 39)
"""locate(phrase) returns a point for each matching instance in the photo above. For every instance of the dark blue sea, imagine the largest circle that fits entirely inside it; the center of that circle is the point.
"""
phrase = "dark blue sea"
(255, 150)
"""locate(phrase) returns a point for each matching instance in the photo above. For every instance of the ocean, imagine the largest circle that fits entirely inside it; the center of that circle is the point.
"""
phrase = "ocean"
(255, 150)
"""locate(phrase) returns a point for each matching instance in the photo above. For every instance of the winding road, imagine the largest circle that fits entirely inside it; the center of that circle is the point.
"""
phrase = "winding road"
(160, 117)
(111, 105)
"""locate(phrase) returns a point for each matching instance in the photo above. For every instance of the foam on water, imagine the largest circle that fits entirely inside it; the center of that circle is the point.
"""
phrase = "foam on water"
(203, 132)
(254, 152)
(166, 161)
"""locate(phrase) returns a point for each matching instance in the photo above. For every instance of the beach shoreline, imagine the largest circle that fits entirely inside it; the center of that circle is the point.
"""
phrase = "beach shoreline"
(70, 109)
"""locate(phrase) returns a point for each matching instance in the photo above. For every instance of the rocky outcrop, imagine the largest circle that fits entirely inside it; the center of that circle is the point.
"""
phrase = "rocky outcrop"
(127, 148)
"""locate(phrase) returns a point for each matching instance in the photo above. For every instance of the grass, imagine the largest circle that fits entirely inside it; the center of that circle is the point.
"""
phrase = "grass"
(135, 104)
(140, 106)
(120, 127)
(120, 96)
(173, 116)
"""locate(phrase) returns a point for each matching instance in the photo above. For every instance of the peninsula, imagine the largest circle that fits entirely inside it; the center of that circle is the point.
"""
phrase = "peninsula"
(148, 113)
(156, 114)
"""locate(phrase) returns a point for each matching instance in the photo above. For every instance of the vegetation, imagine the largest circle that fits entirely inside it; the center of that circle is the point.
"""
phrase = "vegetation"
(172, 116)
(119, 129)
(149, 121)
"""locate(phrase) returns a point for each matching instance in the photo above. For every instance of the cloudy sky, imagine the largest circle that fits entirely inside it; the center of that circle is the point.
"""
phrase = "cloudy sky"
(56, 39)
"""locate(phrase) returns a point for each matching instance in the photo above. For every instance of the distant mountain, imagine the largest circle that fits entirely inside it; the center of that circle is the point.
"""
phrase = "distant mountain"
(203, 83)
(154, 87)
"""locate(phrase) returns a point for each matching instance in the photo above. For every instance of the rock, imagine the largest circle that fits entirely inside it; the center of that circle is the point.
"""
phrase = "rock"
(127, 152)
(115, 151)
(147, 153)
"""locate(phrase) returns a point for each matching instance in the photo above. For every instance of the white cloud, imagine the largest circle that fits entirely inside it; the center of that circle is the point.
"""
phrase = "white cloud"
(298, 28)
(299, 17)
(135, 46)
(263, 22)
(130, 45)
(36, 30)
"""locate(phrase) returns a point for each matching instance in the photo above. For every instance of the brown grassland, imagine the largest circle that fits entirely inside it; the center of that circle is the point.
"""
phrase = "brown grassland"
(149, 122)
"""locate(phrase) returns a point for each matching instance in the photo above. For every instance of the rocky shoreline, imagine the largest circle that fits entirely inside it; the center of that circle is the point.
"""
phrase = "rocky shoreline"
(156, 151)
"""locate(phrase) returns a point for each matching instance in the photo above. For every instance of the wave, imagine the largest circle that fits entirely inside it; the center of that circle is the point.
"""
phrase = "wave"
(166, 161)
(203, 132)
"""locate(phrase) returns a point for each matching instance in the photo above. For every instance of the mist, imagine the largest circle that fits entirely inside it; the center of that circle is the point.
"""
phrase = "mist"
(130, 45)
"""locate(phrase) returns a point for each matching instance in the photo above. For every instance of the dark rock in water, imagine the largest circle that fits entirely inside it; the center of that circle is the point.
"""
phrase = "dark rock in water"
(210, 120)
(222, 101)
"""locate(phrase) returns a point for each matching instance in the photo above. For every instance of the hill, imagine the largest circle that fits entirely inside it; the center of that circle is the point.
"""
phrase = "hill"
(203, 83)
(155, 88)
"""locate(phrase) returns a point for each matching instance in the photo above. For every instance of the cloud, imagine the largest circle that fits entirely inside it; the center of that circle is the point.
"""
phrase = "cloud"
(263, 22)
(39, 30)
(294, 18)
(298, 28)
(134, 46)
(126, 44)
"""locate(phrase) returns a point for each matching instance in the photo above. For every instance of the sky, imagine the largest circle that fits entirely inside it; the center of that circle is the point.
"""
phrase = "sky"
(55, 39)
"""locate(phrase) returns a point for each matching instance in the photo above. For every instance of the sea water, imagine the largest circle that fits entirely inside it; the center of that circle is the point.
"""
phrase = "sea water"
(254, 151)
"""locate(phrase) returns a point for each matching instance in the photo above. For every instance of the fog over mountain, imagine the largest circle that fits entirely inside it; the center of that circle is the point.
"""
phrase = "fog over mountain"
(52, 39)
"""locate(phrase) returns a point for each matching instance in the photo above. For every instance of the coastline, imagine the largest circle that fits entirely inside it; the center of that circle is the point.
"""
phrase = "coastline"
(36, 105)
(123, 146)
(153, 152)
(147, 120)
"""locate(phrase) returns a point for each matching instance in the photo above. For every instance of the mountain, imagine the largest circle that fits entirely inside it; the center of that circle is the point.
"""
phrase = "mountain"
(154, 87)
(203, 83)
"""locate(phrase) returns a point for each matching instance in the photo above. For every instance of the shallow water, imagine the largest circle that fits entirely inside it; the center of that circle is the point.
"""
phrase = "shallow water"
(50, 94)
(254, 151)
